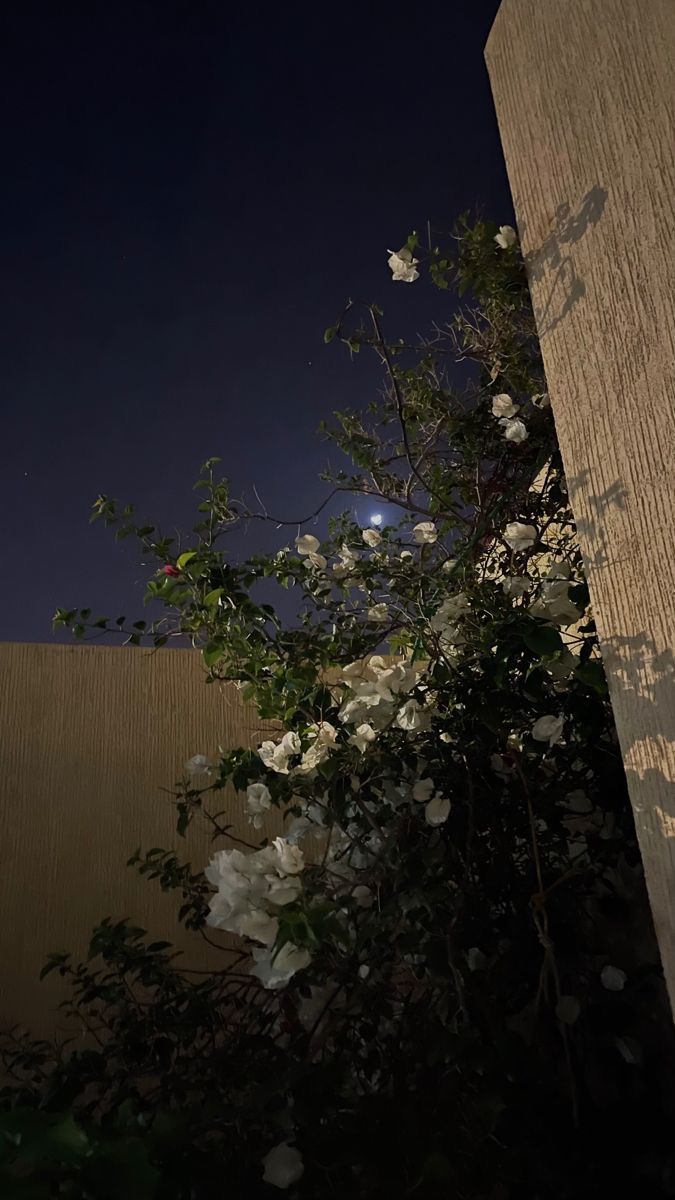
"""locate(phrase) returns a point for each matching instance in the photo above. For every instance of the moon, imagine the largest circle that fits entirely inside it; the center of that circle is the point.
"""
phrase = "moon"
(376, 518)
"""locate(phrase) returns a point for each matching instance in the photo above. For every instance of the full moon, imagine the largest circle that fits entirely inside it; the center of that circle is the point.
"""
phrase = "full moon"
(376, 518)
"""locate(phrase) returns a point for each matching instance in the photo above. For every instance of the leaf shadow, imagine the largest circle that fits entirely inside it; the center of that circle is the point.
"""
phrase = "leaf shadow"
(549, 261)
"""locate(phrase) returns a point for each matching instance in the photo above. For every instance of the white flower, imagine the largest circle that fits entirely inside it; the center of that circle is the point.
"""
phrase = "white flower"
(452, 638)
(298, 828)
(378, 612)
(405, 554)
(514, 429)
(274, 971)
(307, 544)
(324, 732)
(363, 896)
(475, 959)
(315, 754)
(411, 717)
(548, 729)
(198, 765)
(445, 737)
(403, 265)
(362, 737)
(449, 611)
(392, 680)
(506, 237)
(554, 603)
(275, 755)
(259, 926)
(282, 891)
(437, 811)
(316, 560)
(290, 859)
(519, 536)
(500, 766)
(347, 564)
(425, 532)
(366, 703)
(364, 971)
(423, 790)
(371, 537)
(448, 565)
(613, 978)
(283, 1165)
(514, 586)
(355, 670)
(242, 891)
(290, 743)
(504, 406)
(258, 800)
(541, 400)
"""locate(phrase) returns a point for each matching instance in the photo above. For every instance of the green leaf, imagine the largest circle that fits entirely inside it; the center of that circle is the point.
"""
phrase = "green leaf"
(542, 639)
(329, 333)
(53, 961)
(122, 1170)
(184, 558)
(212, 598)
(592, 674)
(41, 1137)
(212, 652)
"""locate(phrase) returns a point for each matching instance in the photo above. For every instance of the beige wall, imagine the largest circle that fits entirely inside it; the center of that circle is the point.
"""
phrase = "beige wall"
(585, 97)
(88, 737)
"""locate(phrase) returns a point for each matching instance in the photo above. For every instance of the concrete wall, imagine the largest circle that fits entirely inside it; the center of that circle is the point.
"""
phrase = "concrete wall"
(88, 737)
(585, 98)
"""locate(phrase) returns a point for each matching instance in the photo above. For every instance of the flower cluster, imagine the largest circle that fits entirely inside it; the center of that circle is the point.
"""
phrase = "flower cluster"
(251, 889)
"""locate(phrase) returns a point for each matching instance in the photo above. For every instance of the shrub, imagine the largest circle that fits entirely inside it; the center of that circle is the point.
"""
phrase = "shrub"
(446, 980)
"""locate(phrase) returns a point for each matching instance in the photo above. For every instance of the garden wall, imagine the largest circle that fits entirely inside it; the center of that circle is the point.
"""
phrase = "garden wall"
(88, 737)
(585, 98)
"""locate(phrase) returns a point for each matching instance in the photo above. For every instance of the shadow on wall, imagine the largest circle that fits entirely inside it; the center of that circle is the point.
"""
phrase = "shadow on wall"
(566, 288)
(641, 679)
(591, 528)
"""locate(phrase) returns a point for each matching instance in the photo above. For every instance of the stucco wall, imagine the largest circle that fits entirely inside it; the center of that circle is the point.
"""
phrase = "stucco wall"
(88, 737)
(585, 98)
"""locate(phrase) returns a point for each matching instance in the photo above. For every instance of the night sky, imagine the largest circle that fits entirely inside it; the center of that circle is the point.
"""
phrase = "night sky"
(190, 192)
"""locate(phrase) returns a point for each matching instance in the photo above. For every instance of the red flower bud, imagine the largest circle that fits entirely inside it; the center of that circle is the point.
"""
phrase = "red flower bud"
(170, 570)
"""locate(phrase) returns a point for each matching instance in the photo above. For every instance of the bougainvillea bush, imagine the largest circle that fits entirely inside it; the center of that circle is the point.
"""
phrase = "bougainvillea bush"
(442, 980)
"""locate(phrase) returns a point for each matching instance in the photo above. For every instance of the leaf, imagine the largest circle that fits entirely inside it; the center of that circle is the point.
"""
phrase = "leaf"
(567, 1009)
(592, 674)
(53, 961)
(122, 1171)
(329, 333)
(212, 598)
(212, 652)
(184, 558)
(542, 639)
(41, 1137)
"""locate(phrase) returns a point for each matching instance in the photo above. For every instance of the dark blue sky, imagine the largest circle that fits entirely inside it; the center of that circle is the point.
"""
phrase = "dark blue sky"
(190, 192)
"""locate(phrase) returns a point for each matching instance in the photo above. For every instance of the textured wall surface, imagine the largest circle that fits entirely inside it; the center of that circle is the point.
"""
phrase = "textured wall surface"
(88, 738)
(585, 98)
